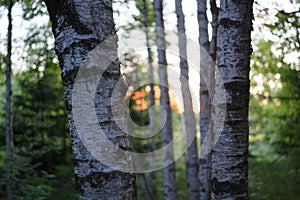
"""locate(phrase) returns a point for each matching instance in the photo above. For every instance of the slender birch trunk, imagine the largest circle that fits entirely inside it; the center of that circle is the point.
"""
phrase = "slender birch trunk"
(141, 176)
(169, 171)
(203, 24)
(151, 95)
(189, 115)
(8, 118)
(78, 27)
(229, 158)
(213, 43)
(205, 108)
(145, 186)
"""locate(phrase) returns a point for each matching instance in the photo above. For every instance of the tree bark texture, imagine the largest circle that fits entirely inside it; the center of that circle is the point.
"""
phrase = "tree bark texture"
(169, 171)
(229, 158)
(205, 102)
(214, 24)
(8, 115)
(203, 24)
(189, 115)
(78, 27)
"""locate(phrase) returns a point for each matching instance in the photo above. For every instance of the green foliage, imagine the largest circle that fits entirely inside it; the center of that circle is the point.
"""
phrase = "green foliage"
(278, 179)
(42, 159)
(40, 135)
(64, 187)
(150, 13)
(275, 101)
(33, 8)
(274, 105)
(181, 184)
(287, 29)
(138, 19)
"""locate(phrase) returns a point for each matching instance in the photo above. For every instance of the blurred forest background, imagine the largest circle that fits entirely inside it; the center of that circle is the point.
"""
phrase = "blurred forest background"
(42, 160)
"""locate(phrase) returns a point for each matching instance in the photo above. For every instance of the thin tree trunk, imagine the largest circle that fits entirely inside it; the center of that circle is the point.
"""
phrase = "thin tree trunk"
(213, 43)
(203, 24)
(229, 160)
(205, 108)
(8, 118)
(78, 27)
(189, 115)
(168, 155)
(151, 95)
(145, 186)
(141, 176)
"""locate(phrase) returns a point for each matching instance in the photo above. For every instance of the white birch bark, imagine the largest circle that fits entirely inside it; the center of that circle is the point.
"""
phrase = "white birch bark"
(205, 100)
(169, 171)
(229, 158)
(78, 27)
(8, 114)
(189, 115)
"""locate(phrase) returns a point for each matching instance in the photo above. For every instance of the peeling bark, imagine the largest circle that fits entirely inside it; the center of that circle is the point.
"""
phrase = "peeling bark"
(168, 156)
(78, 27)
(189, 115)
(229, 158)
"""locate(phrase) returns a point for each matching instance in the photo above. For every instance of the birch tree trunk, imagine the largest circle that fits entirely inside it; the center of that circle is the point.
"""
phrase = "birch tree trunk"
(213, 43)
(78, 27)
(8, 117)
(205, 106)
(203, 24)
(189, 115)
(151, 95)
(229, 160)
(169, 171)
(141, 176)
